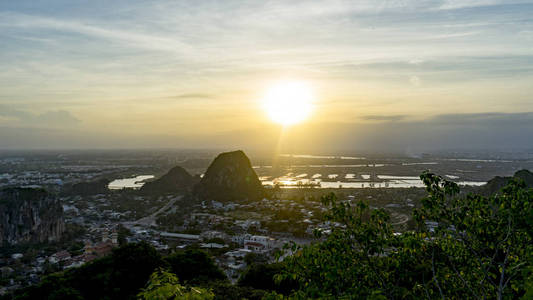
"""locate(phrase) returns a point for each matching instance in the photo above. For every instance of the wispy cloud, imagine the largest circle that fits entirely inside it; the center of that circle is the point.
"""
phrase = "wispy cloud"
(194, 96)
(458, 4)
(133, 38)
(481, 119)
(47, 119)
(383, 118)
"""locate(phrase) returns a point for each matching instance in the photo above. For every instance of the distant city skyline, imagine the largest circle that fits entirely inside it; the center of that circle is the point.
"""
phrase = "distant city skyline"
(398, 75)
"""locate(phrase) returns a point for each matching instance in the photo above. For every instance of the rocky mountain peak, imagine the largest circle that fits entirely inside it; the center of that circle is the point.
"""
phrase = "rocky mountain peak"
(175, 180)
(230, 177)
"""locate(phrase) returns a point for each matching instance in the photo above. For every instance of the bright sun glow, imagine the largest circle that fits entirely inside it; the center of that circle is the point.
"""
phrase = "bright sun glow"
(289, 102)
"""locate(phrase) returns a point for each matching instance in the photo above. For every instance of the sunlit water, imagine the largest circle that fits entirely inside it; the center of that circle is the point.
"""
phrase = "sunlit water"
(133, 183)
(322, 156)
(386, 181)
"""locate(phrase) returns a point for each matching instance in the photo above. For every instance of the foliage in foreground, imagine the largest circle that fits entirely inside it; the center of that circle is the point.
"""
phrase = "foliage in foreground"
(471, 247)
(194, 266)
(165, 285)
(123, 274)
(118, 276)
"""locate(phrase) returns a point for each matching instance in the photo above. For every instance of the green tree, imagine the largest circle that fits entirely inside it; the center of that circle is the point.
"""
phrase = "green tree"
(464, 247)
(261, 276)
(355, 259)
(117, 276)
(254, 258)
(165, 285)
(123, 233)
(481, 247)
(194, 266)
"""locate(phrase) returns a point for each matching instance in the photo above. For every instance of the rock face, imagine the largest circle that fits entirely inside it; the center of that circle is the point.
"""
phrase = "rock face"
(29, 216)
(230, 177)
(497, 183)
(175, 181)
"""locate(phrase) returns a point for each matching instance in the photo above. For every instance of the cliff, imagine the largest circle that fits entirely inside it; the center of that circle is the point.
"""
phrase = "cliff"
(29, 216)
(230, 177)
(175, 181)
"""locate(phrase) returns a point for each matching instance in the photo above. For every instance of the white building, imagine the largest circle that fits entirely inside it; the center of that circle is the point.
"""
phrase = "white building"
(212, 234)
(258, 243)
(239, 239)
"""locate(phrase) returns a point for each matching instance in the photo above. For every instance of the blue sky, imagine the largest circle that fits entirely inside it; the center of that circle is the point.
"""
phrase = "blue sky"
(189, 71)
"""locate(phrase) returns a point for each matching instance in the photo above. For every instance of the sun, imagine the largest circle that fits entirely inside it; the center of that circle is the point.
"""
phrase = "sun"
(289, 102)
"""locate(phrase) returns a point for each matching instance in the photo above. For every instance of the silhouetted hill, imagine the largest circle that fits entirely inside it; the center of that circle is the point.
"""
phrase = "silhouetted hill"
(230, 177)
(174, 181)
(497, 183)
(89, 188)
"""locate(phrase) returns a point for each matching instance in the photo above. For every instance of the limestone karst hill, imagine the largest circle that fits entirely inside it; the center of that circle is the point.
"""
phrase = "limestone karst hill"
(29, 215)
(174, 181)
(230, 177)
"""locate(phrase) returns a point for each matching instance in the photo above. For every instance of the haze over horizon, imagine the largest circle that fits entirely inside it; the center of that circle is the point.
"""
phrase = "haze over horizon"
(391, 75)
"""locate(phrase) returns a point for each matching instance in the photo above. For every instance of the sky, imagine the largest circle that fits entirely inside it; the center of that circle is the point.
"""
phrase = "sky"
(400, 75)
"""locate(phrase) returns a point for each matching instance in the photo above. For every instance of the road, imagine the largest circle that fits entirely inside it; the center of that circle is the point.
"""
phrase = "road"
(150, 220)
